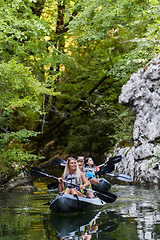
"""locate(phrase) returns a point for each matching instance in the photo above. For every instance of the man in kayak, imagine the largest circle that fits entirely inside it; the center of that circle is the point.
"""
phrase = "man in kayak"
(72, 174)
(90, 175)
(80, 159)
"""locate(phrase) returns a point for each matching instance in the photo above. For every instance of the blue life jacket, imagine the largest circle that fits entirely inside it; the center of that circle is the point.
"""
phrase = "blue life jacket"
(91, 170)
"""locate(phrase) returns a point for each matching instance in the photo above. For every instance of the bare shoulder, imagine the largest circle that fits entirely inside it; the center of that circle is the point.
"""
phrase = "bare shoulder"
(83, 176)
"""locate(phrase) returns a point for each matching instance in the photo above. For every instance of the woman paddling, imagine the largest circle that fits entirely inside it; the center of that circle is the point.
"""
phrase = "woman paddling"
(72, 174)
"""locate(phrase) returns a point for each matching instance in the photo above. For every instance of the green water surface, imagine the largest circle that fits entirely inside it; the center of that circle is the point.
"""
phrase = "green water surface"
(134, 215)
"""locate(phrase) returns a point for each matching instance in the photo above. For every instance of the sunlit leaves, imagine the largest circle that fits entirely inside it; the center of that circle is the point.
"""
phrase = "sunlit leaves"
(16, 159)
(17, 26)
(22, 136)
(19, 87)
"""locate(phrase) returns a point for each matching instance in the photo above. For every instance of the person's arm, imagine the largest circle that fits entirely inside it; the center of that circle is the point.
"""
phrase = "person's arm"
(84, 180)
(60, 186)
(94, 181)
(91, 177)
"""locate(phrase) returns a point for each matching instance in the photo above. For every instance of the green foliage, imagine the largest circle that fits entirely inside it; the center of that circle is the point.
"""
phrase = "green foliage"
(20, 88)
(22, 136)
(16, 159)
(18, 26)
(114, 39)
(47, 69)
(12, 154)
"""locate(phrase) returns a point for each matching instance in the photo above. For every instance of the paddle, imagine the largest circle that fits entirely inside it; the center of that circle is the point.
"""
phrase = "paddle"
(115, 159)
(109, 164)
(60, 162)
(105, 196)
(105, 171)
(122, 177)
(53, 185)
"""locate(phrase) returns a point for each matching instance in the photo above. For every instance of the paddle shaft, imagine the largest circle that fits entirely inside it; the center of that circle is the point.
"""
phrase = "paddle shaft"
(101, 165)
(105, 196)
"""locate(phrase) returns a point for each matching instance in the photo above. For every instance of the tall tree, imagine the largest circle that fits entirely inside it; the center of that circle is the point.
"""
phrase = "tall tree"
(69, 60)
(22, 79)
(103, 38)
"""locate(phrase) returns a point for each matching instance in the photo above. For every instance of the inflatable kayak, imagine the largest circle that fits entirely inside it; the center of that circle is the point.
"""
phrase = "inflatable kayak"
(103, 185)
(66, 203)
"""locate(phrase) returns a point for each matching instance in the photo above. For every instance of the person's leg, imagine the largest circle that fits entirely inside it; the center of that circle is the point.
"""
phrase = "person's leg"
(90, 194)
(74, 191)
(67, 191)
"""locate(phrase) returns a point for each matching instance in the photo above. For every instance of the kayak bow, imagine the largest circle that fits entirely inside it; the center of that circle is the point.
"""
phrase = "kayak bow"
(67, 203)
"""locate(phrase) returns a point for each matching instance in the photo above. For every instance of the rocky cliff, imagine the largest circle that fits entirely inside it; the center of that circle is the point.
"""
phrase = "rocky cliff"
(142, 94)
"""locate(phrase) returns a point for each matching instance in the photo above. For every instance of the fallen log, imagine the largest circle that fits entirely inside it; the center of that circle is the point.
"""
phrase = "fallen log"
(27, 182)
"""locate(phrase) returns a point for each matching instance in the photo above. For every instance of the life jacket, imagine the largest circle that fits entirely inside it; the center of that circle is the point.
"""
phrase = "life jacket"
(71, 179)
(92, 170)
(90, 185)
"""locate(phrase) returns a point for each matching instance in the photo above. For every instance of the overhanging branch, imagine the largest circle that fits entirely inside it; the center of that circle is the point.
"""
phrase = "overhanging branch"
(54, 127)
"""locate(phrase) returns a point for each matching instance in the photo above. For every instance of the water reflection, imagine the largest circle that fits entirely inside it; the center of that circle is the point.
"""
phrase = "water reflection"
(83, 225)
(135, 215)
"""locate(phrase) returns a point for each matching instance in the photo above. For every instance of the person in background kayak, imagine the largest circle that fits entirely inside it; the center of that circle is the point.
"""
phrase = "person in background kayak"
(72, 174)
(90, 176)
(90, 166)
(80, 159)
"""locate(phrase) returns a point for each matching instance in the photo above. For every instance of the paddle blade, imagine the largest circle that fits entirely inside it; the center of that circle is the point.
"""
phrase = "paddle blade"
(123, 177)
(62, 164)
(59, 162)
(106, 169)
(38, 172)
(37, 169)
(115, 159)
(107, 197)
(53, 185)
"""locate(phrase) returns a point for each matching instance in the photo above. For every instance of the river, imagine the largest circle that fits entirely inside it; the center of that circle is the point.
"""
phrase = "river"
(134, 215)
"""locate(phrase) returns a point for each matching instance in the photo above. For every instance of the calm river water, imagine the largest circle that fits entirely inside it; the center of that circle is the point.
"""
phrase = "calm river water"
(135, 215)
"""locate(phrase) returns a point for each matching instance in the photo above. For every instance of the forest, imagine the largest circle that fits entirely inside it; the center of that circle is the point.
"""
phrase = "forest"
(62, 67)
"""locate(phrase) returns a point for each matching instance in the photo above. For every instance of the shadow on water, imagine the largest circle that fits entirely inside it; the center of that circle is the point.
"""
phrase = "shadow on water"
(83, 225)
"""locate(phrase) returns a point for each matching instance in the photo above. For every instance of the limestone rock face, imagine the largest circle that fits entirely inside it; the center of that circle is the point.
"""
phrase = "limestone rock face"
(142, 94)
(142, 171)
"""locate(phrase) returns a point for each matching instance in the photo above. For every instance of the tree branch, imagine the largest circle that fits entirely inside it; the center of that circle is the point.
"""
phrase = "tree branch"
(54, 127)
